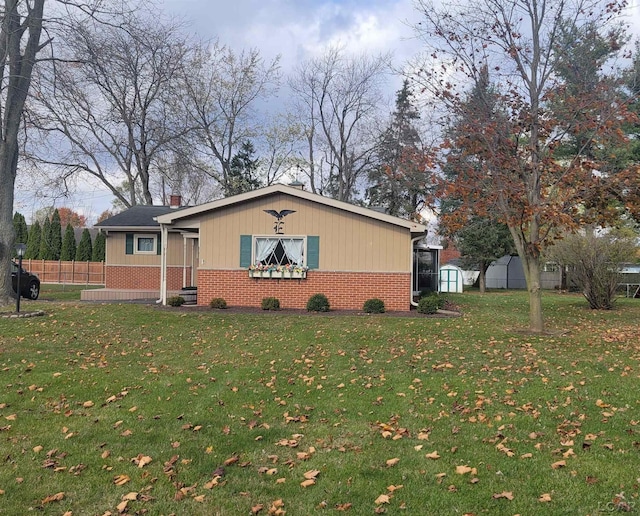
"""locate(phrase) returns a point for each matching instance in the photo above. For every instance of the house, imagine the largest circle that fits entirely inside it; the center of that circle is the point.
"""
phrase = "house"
(278, 241)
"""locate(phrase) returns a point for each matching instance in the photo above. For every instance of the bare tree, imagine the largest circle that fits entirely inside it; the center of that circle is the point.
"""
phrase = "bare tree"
(339, 97)
(222, 92)
(109, 109)
(19, 47)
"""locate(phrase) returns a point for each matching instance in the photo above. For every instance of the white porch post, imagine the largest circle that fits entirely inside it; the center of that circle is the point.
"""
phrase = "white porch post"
(184, 261)
(164, 236)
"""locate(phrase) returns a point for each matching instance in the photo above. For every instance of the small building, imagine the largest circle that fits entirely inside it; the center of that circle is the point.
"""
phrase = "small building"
(278, 241)
(451, 278)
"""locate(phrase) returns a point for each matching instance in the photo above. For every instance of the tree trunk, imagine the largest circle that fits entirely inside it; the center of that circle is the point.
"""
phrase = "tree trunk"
(531, 266)
(18, 54)
(482, 279)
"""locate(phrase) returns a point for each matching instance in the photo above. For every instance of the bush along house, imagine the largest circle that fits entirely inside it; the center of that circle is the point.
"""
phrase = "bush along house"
(278, 241)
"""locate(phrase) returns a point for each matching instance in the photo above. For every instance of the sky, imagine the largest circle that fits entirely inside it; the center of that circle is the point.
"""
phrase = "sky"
(294, 30)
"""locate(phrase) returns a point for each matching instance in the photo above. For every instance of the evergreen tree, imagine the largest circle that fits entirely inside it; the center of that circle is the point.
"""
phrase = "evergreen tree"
(242, 171)
(45, 246)
(401, 180)
(20, 229)
(85, 250)
(99, 248)
(33, 246)
(68, 251)
(55, 236)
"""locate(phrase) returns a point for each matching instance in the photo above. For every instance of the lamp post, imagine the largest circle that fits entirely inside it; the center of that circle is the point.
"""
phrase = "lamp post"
(20, 249)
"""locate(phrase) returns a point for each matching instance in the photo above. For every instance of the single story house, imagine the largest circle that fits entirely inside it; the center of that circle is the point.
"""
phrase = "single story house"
(278, 241)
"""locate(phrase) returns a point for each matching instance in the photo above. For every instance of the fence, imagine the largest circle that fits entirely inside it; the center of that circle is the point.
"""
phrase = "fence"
(55, 271)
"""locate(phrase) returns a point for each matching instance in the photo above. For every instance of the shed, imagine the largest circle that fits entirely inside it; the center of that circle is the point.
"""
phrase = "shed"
(451, 278)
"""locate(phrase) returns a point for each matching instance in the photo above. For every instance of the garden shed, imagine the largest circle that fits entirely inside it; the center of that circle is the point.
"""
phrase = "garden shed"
(451, 278)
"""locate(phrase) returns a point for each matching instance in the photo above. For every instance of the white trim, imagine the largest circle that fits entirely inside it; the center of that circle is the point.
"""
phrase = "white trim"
(154, 246)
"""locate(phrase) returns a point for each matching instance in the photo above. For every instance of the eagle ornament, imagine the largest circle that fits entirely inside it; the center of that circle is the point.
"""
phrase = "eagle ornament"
(279, 223)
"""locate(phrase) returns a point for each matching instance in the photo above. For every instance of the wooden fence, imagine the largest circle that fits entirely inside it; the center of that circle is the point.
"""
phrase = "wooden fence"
(55, 271)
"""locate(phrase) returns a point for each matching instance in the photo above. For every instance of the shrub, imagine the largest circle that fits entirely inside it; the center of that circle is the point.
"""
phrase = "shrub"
(218, 302)
(318, 303)
(374, 306)
(175, 301)
(430, 304)
(270, 303)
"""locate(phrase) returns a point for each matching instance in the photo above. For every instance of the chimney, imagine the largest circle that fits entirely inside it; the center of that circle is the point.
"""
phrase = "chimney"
(297, 184)
(175, 201)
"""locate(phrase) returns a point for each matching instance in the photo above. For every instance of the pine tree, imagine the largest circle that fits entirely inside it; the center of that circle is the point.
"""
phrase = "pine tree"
(20, 229)
(242, 171)
(400, 181)
(68, 251)
(55, 236)
(99, 248)
(33, 246)
(45, 246)
(84, 252)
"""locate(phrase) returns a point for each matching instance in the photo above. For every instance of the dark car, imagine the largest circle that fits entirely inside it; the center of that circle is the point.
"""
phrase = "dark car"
(29, 283)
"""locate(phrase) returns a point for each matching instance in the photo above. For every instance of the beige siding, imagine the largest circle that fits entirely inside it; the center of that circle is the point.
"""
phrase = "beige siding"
(116, 251)
(348, 242)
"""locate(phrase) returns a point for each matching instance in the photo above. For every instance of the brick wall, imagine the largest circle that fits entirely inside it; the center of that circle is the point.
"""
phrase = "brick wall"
(142, 278)
(345, 290)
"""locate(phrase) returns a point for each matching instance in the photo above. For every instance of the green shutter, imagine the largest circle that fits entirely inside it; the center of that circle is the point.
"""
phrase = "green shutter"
(245, 250)
(159, 244)
(129, 244)
(313, 252)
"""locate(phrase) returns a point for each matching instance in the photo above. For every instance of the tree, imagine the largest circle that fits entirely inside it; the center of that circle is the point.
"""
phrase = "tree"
(507, 161)
(68, 252)
(20, 30)
(338, 97)
(112, 105)
(99, 248)
(20, 228)
(44, 253)
(84, 251)
(55, 236)
(595, 261)
(481, 242)
(402, 180)
(242, 171)
(222, 90)
(69, 216)
(33, 247)
(105, 215)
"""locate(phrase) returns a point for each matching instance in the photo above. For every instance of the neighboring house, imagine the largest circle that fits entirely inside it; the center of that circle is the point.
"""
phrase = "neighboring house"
(279, 241)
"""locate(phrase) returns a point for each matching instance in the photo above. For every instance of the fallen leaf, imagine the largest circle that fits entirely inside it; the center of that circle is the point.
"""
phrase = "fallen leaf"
(312, 474)
(559, 464)
(53, 498)
(392, 462)
(121, 480)
(308, 482)
(257, 508)
(383, 498)
(88, 404)
(546, 497)
(505, 494)
(231, 460)
(463, 470)
(433, 455)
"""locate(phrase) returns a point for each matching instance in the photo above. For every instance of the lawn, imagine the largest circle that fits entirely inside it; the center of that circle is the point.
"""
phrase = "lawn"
(132, 409)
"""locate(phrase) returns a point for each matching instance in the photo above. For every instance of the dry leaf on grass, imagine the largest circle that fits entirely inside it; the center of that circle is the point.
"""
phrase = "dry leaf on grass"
(383, 498)
(505, 494)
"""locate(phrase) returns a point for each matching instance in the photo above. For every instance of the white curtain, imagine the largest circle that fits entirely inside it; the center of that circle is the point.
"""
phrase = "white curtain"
(294, 249)
(264, 247)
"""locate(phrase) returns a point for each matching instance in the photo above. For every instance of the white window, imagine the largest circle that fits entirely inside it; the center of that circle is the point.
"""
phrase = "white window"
(145, 244)
(279, 251)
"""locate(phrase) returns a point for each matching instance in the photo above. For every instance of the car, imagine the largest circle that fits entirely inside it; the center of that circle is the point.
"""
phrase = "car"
(29, 283)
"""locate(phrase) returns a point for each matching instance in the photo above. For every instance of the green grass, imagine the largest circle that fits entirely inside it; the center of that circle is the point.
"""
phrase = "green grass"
(89, 389)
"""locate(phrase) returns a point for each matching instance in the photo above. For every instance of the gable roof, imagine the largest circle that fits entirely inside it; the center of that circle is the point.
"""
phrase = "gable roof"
(176, 215)
(136, 217)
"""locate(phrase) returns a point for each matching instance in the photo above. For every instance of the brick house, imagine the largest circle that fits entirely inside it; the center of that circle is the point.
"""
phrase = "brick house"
(279, 241)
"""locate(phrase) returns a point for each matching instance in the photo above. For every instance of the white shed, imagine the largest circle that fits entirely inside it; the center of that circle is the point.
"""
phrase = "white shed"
(451, 278)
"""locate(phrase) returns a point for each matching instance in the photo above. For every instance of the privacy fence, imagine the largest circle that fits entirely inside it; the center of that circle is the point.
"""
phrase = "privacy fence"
(55, 271)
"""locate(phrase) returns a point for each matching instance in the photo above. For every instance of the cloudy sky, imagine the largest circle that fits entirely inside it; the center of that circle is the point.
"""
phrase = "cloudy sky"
(292, 29)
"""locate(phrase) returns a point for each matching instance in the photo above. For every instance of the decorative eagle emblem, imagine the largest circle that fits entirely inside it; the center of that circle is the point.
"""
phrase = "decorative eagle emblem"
(279, 215)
